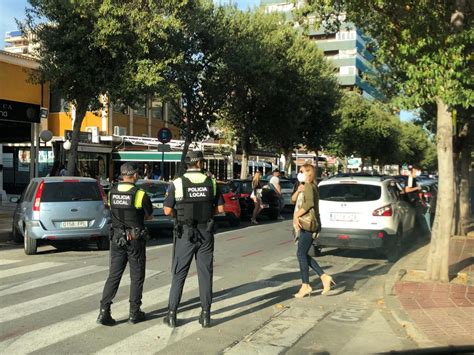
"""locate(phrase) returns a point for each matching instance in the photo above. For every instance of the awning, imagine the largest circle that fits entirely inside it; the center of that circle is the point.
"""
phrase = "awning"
(259, 164)
(146, 156)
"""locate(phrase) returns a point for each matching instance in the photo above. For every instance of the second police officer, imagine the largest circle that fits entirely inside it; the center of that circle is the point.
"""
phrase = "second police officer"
(192, 200)
(129, 207)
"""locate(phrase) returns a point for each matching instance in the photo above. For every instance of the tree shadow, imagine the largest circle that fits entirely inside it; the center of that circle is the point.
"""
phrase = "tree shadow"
(459, 266)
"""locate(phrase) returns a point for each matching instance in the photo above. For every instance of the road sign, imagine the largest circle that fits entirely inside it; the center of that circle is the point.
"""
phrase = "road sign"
(164, 135)
(164, 148)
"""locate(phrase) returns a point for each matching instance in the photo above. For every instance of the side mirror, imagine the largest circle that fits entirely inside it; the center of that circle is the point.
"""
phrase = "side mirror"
(14, 199)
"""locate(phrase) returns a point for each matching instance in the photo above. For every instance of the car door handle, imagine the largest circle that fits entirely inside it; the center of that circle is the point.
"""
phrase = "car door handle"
(74, 210)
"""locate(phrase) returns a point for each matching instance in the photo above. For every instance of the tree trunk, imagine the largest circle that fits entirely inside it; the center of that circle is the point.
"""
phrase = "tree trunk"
(288, 161)
(438, 263)
(182, 164)
(463, 198)
(244, 168)
(76, 129)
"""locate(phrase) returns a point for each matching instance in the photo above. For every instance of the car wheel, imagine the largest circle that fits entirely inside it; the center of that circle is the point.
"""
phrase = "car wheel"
(103, 243)
(393, 249)
(30, 244)
(233, 220)
(16, 235)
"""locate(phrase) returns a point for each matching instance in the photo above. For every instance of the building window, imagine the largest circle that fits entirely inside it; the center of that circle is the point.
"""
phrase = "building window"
(140, 108)
(323, 36)
(347, 70)
(57, 103)
(331, 53)
(119, 106)
(156, 109)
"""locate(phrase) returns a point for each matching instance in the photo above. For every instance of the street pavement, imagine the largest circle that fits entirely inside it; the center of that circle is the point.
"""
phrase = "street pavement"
(49, 301)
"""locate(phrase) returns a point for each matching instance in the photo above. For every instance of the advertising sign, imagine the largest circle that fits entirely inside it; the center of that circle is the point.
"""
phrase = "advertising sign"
(19, 112)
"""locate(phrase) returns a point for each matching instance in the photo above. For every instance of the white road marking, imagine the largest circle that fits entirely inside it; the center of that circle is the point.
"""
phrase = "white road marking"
(28, 268)
(60, 331)
(8, 262)
(36, 305)
(50, 279)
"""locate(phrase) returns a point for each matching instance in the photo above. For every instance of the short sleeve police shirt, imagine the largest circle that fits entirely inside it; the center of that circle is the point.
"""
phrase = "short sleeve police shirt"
(170, 200)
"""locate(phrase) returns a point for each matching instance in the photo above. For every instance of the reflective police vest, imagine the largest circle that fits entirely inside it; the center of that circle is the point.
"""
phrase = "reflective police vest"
(194, 195)
(125, 201)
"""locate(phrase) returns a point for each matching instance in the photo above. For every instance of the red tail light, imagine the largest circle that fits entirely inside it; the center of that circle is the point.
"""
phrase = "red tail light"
(385, 211)
(103, 195)
(428, 195)
(37, 200)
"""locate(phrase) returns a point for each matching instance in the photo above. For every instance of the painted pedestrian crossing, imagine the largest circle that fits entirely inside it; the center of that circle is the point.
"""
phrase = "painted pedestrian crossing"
(25, 340)
(27, 269)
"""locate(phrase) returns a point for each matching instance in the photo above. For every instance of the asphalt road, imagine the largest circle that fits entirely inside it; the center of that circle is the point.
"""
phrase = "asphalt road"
(49, 302)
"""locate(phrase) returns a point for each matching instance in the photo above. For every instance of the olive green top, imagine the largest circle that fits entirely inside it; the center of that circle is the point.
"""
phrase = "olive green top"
(311, 198)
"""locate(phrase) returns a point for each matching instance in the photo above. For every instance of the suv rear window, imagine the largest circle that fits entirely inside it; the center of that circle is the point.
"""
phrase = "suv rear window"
(70, 191)
(287, 185)
(350, 192)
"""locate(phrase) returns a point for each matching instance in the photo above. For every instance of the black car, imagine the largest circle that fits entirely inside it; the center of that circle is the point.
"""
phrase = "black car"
(243, 189)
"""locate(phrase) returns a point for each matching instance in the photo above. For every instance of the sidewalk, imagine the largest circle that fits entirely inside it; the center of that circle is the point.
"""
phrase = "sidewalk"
(441, 313)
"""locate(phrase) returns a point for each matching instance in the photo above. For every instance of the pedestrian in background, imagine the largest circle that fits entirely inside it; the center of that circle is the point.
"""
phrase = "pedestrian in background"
(129, 207)
(306, 198)
(413, 190)
(256, 196)
(275, 186)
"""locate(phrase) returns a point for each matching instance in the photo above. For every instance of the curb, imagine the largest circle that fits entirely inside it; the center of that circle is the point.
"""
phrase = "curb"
(396, 273)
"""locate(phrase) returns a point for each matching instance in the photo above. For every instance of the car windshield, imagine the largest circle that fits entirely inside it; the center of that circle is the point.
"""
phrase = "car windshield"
(70, 191)
(154, 190)
(350, 192)
(286, 185)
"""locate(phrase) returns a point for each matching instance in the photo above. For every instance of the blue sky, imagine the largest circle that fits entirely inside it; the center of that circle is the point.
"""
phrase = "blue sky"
(11, 9)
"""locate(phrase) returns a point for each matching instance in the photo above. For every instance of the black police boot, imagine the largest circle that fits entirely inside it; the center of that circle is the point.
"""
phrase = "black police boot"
(205, 319)
(170, 319)
(136, 317)
(105, 318)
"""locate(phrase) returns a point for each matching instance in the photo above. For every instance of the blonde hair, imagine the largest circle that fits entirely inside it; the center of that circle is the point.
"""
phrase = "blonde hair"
(256, 179)
(308, 168)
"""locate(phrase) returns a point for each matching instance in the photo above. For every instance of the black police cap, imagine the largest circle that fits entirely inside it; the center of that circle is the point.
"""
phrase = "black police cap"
(128, 169)
(194, 156)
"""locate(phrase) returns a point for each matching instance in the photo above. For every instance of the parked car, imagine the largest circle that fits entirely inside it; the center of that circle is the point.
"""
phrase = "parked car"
(243, 189)
(156, 191)
(364, 213)
(287, 187)
(231, 205)
(57, 209)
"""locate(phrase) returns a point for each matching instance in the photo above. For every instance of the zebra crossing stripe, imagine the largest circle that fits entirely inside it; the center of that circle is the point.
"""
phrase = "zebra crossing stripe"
(27, 269)
(222, 308)
(8, 262)
(50, 279)
(60, 331)
(36, 305)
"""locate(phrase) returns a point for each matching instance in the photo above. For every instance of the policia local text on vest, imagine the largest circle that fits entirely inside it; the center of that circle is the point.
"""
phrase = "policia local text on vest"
(129, 207)
(192, 200)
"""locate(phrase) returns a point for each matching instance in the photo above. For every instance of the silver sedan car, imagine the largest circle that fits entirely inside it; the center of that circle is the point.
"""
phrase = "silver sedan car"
(56, 209)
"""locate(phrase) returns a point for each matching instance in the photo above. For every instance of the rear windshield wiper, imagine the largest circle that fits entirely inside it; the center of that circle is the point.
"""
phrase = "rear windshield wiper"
(80, 199)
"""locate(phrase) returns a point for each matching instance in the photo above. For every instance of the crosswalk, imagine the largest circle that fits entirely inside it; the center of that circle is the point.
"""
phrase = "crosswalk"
(63, 313)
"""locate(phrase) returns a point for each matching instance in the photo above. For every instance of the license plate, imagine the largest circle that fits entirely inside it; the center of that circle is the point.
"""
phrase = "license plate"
(344, 217)
(265, 205)
(74, 224)
(157, 205)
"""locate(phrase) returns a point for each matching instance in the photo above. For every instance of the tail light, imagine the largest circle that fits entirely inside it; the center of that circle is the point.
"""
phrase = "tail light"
(103, 195)
(428, 195)
(37, 200)
(385, 211)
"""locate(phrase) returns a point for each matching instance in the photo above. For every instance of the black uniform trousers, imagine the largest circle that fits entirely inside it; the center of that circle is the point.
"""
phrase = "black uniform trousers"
(199, 243)
(135, 254)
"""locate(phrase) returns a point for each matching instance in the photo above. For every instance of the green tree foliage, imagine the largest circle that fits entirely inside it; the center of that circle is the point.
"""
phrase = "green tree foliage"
(424, 48)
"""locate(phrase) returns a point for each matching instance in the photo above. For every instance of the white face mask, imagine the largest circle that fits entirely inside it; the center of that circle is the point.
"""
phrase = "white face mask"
(301, 177)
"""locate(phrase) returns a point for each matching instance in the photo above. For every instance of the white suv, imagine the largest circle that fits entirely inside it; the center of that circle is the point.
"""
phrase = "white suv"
(364, 213)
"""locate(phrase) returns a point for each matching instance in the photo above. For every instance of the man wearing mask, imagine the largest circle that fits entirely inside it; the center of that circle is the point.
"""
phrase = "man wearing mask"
(129, 207)
(192, 199)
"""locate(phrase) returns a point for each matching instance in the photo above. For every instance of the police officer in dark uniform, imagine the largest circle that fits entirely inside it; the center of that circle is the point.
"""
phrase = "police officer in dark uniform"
(129, 207)
(192, 200)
